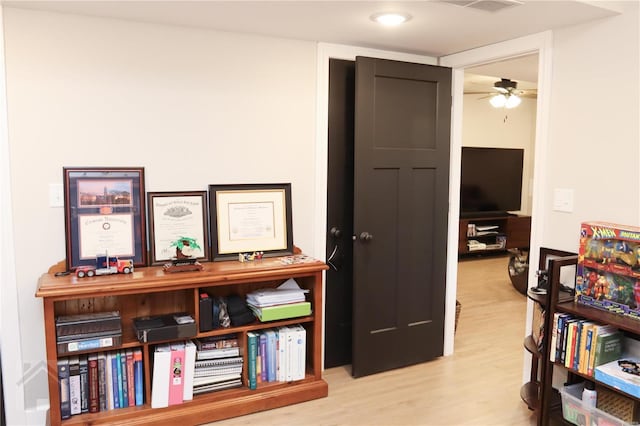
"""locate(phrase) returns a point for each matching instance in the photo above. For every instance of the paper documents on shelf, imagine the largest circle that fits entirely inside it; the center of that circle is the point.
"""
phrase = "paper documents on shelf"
(287, 310)
(486, 227)
(287, 292)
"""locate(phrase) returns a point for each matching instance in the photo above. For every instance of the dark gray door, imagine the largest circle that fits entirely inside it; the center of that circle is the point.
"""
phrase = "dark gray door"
(401, 185)
(339, 277)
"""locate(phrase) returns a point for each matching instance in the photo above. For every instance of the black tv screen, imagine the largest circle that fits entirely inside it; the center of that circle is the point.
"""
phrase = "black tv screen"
(491, 180)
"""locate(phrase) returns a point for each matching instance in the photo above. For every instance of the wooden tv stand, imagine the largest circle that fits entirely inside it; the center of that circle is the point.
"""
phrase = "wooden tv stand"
(503, 232)
(151, 291)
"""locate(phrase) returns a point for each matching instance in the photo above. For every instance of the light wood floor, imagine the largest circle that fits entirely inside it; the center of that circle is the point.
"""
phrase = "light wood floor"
(478, 385)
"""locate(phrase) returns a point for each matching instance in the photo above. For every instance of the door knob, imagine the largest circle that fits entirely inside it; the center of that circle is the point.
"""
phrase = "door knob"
(335, 232)
(365, 236)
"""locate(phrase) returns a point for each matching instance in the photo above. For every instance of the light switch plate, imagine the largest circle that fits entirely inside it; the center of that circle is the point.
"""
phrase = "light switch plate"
(56, 195)
(563, 200)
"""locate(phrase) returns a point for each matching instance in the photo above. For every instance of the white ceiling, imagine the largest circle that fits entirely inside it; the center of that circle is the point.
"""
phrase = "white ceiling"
(436, 27)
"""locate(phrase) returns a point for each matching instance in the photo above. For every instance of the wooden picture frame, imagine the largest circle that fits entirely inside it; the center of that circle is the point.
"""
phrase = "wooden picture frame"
(178, 220)
(104, 214)
(250, 218)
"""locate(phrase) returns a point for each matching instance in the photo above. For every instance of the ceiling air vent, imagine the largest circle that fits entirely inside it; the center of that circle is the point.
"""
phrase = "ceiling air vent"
(486, 5)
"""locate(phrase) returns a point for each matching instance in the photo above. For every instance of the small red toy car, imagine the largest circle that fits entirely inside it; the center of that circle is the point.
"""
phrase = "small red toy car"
(106, 265)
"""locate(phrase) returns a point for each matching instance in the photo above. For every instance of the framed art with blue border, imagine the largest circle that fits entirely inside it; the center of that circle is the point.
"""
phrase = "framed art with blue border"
(104, 214)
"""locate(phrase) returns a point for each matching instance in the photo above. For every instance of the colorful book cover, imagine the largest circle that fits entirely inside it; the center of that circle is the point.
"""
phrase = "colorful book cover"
(176, 374)
(115, 380)
(124, 379)
(263, 357)
(94, 397)
(130, 385)
(252, 344)
(271, 355)
(138, 375)
(102, 381)
(63, 383)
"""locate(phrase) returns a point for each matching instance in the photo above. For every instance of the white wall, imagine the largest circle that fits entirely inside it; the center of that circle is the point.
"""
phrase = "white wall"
(594, 135)
(486, 126)
(193, 107)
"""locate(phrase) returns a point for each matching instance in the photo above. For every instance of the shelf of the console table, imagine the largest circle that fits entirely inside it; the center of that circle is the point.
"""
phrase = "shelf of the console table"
(154, 279)
(620, 321)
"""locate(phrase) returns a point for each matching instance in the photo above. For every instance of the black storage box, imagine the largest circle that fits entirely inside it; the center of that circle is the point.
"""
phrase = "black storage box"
(164, 327)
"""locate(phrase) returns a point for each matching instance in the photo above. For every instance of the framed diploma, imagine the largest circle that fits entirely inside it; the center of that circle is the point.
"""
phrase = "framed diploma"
(178, 226)
(104, 214)
(250, 218)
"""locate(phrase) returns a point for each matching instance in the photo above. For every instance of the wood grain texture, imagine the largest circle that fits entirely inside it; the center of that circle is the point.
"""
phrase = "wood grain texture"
(478, 385)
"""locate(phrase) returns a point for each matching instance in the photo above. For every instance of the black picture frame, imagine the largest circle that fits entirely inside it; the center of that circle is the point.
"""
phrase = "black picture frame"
(104, 214)
(241, 216)
(186, 214)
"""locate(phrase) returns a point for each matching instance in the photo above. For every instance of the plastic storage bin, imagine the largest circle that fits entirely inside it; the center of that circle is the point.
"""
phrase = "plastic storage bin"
(575, 413)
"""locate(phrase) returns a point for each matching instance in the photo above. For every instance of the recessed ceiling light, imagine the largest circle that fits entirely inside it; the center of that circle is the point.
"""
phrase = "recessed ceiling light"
(390, 18)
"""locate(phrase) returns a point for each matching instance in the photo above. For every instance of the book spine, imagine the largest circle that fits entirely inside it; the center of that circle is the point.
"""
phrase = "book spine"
(176, 375)
(592, 355)
(63, 384)
(584, 368)
(576, 346)
(131, 386)
(84, 384)
(94, 398)
(252, 343)
(115, 380)
(189, 369)
(124, 402)
(282, 345)
(554, 332)
(138, 376)
(263, 357)
(119, 380)
(102, 381)
(160, 379)
(74, 385)
(109, 369)
(271, 356)
(300, 348)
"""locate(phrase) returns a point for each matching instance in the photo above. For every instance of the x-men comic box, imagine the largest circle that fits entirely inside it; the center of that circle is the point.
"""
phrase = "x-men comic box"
(608, 272)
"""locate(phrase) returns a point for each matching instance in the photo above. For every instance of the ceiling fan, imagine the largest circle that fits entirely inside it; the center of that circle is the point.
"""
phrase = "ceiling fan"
(506, 94)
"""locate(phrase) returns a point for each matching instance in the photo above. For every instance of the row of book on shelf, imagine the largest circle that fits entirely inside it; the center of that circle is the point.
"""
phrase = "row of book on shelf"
(276, 355)
(100, 381)
(582, 345)
(187, 368)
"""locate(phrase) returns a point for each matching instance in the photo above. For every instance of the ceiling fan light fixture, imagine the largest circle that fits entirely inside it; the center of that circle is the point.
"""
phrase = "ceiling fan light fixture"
(498, 101)
(390, 19)
(512, 101)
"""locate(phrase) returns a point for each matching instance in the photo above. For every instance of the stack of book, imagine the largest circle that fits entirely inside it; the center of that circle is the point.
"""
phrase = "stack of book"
(92, 383)
(286, 301)
(583, 345)
(218, 364)
(276, 355)
(83, 332)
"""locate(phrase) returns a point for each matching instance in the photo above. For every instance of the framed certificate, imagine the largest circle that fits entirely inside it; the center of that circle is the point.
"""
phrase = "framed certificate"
(104, 214)
(250, 218)
(178, 226)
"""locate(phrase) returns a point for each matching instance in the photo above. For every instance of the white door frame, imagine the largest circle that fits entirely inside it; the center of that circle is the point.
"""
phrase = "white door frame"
(541, 44)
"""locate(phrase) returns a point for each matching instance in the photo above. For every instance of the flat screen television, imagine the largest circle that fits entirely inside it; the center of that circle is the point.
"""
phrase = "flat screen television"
(491, 181)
